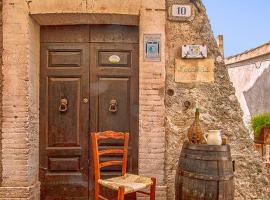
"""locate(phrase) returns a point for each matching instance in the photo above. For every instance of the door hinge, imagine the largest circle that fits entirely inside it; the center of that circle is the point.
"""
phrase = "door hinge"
(43, 168)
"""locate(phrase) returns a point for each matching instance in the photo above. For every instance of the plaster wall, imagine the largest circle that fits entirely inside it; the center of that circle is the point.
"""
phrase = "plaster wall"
(246, 76)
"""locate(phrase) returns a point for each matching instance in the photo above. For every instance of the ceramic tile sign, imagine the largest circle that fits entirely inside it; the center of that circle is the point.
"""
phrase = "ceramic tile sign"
(180, 12)
(152, 47)
(194, 70)
(194, 51)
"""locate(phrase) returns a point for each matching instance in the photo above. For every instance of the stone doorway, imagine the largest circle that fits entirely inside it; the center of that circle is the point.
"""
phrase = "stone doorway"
(83, 69)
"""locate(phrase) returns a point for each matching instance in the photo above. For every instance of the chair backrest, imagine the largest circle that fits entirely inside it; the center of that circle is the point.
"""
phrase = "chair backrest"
(96, 137)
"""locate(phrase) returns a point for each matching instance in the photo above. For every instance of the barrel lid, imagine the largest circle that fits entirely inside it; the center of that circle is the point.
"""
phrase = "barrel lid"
(206, 147)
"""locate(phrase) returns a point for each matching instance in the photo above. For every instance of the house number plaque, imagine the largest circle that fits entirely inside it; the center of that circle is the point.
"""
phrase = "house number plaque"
(181, 10)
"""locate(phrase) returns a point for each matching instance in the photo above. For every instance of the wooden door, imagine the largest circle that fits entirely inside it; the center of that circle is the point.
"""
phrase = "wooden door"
(64, 120)
(83, 68)
(114, 96)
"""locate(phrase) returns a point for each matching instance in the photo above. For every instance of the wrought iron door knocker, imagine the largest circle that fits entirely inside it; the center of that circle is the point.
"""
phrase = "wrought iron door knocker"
(63, 107)
(113, 106)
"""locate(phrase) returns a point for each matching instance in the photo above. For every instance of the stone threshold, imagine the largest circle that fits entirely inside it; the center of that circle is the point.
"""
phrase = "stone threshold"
(30, 192)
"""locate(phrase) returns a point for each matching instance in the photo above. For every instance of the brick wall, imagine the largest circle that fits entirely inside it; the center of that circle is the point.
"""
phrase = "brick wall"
(15, 105)
(1, 78)
(152, 108)
(19, 143)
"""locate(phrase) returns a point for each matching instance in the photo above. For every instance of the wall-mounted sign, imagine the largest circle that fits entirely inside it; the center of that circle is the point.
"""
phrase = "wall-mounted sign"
(194, 51)
(194, 71)
(152, 47)
(181, 10)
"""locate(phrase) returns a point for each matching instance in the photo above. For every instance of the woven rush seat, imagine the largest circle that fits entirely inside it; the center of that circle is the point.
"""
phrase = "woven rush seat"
(130, 182)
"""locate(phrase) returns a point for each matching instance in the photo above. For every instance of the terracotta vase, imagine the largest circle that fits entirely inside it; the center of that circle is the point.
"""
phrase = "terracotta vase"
(264, 136)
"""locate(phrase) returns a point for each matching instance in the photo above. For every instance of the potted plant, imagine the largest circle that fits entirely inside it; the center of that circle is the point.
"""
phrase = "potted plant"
(261, 128)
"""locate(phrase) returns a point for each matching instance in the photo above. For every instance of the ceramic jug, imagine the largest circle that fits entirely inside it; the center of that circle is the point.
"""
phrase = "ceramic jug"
(213, 137)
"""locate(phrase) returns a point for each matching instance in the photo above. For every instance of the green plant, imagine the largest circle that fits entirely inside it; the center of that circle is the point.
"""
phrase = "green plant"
(258, 122)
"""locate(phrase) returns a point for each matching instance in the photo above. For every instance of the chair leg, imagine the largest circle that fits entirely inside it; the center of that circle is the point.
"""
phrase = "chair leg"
(121, 193)
(153, 189)
(131, 196)
(97, 191)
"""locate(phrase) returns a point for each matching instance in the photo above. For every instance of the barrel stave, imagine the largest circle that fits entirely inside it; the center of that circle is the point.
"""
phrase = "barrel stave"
(205, 172)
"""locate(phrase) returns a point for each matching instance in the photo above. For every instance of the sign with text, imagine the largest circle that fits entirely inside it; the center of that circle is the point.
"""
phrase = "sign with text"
(194, 71)
(181, 10)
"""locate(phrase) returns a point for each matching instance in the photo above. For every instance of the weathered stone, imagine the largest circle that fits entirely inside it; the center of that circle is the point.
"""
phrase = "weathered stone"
(219, 109)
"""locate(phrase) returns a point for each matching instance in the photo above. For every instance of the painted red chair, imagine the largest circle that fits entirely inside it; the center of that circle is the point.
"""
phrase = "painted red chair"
(127, 183)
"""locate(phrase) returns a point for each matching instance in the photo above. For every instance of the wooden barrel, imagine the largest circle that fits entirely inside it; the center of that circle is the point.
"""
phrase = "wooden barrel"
(205, 172)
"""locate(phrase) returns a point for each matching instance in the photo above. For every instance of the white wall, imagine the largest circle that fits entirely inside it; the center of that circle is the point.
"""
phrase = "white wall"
(244, 77)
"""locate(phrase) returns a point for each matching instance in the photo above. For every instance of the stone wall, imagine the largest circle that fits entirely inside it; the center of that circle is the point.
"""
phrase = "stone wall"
(218, 103)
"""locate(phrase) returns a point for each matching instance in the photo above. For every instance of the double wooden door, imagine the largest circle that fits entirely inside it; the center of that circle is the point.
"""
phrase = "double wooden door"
(88, 82)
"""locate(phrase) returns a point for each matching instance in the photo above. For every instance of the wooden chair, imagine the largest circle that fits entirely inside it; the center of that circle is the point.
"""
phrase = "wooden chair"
(127, 183)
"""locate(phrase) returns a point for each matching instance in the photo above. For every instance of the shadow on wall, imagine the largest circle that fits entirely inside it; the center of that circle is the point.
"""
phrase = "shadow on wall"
(258, 96)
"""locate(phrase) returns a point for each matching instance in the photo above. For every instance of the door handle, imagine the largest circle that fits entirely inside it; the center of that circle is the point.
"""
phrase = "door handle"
(63, 107)
(113, 106)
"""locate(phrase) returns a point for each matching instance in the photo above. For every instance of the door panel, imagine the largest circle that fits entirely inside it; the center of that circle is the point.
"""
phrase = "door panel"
(114, 59)
(65, 34)
(64, 120)
(115, 80)
(114, 34)
(64, 58)
(64, 126)
(114, 89)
